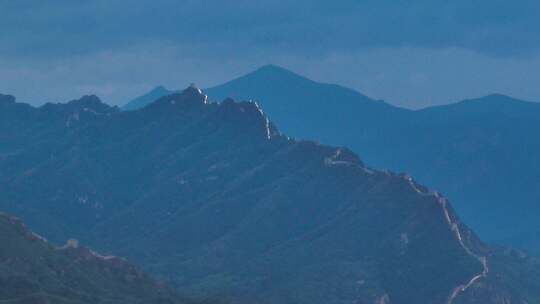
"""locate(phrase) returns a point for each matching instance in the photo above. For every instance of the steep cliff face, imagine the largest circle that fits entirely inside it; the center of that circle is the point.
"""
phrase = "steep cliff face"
(212, 198)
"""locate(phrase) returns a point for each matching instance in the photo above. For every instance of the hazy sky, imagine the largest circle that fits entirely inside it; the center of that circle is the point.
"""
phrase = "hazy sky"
(412, 53)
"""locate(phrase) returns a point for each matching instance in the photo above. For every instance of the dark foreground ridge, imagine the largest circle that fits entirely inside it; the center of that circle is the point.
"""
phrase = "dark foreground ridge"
(212, 198)
(33, 271)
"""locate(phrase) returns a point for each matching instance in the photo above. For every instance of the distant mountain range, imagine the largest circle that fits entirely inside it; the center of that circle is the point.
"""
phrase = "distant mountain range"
(33, 271)
(212, 198)
(148, 98)
(484, 154)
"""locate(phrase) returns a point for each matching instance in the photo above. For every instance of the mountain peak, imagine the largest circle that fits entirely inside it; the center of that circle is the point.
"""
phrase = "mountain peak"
(87, 99)
(272, 68)
(497, 99)
(159, 89)
(497, 96)
(193, 90)
(7, 98)
(148, 98)
(274, 72)
(491, 104)
(90, 103)
(192, 95)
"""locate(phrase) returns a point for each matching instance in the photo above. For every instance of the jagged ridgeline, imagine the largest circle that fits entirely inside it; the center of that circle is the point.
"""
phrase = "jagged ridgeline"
(474, 150)
(213, 199)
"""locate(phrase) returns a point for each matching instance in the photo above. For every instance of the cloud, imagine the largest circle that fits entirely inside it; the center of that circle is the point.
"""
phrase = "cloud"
(61, 27)
(407, 52)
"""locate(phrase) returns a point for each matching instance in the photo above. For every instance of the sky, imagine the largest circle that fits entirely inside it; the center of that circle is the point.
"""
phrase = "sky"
(412, 53)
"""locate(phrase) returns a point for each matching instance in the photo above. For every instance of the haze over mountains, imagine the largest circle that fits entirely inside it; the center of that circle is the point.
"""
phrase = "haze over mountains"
(214, 199)
(396, 160)
(481, 153)
(148, 98)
